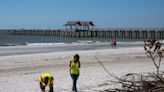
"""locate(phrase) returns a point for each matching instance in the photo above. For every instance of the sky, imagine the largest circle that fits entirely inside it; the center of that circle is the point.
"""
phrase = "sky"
(53, 14)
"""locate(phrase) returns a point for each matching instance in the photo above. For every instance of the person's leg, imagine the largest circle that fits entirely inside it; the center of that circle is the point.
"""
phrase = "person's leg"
(75, 82)
(51, 88)
(42, 87)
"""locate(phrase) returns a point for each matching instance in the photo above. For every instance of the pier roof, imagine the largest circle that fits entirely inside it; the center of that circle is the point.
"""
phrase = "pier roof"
(79, 23)
(72, 23)
(87, 23)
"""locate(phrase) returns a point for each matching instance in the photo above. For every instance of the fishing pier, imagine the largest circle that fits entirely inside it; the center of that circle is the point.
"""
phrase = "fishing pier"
(86, 29)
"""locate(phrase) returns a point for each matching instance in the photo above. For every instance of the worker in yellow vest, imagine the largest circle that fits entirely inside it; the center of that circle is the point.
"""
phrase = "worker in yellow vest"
(46, 80)
(74, 70)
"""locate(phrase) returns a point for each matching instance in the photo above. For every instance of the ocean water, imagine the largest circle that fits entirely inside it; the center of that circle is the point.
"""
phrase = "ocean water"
(9, 44)
(6, 39)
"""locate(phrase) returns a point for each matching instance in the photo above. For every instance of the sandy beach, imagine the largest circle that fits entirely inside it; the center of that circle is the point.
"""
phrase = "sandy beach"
(19, 73)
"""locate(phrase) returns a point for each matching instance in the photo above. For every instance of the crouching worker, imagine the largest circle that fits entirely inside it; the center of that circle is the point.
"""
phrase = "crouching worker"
(46, 80)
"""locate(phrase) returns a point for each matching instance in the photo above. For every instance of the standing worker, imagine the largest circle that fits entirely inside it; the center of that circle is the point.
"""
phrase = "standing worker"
(46, 80)
(74, 70)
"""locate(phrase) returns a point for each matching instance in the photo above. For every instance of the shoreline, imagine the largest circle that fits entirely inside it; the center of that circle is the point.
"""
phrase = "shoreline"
(25, 50)
(31, 52)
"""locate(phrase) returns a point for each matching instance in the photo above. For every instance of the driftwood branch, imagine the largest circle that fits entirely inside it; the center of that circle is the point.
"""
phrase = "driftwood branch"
(133, 82)
(139, 83)
(154, 51)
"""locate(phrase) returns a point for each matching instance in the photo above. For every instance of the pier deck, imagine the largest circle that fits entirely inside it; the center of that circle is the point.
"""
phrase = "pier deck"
(156, 33)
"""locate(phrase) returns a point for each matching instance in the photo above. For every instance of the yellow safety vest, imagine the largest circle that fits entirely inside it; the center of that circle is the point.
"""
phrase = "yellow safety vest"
(50, 79)
(74, 67)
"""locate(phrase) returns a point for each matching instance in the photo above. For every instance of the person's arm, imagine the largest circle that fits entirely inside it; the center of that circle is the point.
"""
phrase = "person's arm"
(70, 64)
(50, 82)
(79, 64)
(41, 81)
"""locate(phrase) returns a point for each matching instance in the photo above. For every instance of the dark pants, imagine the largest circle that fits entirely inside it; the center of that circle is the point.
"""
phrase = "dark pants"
(74, 79)
(43, 87)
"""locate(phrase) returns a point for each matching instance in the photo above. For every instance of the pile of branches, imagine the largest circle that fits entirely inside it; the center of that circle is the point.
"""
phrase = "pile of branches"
(151, 82)
(139, 83)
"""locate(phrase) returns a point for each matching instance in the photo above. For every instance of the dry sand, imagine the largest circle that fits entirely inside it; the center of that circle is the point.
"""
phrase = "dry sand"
(19, 73)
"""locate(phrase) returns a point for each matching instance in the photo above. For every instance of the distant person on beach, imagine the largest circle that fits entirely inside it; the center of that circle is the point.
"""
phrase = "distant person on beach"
(46, 80)
(74, 70)
(114, 42)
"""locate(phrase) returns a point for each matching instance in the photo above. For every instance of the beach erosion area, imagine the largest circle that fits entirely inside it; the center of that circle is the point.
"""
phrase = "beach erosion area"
(20, 72)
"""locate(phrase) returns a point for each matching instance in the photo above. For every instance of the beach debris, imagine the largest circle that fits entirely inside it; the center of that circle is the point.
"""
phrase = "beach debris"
(133, 82)
(147, 82)
(153, 51)
(106, 70)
